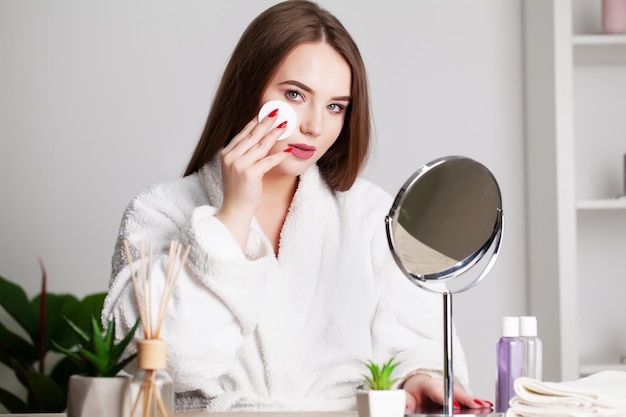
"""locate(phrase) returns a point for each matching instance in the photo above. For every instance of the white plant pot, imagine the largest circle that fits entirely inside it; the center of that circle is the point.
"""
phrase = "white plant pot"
(98, 396)
(372, 403)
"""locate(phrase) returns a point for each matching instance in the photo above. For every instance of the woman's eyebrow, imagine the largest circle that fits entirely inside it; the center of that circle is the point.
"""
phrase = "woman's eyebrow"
(310, 90)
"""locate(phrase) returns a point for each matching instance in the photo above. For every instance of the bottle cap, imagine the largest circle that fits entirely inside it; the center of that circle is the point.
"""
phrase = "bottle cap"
(286, 113)
(528, 326)
(151, 354)
(510, 326)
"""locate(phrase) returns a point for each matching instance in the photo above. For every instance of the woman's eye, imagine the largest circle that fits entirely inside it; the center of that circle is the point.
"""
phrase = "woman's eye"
(336, 108)
(293, 95)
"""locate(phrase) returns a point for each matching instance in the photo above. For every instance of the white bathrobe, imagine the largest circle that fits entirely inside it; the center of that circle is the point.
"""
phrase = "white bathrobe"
(252, 331)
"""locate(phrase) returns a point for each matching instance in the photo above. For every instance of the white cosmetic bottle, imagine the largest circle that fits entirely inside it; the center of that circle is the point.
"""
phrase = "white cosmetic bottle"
(533, 347)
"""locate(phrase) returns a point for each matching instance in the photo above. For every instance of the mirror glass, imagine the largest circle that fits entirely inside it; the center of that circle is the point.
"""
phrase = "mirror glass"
(443, 222)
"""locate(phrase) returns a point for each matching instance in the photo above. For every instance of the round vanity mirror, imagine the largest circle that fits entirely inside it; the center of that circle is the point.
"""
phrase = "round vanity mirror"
(444, 219)
(444, 230)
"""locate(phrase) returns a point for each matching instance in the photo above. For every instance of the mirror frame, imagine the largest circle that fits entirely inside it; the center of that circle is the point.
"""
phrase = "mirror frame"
(463, 265)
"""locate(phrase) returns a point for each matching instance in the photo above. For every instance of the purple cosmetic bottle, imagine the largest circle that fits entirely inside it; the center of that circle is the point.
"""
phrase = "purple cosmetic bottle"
(510, 357)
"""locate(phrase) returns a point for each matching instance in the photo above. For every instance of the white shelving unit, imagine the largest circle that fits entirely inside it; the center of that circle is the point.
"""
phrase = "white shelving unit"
(576, 139)
(608, 204)
(595, 39)
(592, 369)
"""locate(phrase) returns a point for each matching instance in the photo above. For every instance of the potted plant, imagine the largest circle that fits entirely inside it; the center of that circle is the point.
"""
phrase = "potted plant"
(99, 390)
(26, 333)
(380, 399)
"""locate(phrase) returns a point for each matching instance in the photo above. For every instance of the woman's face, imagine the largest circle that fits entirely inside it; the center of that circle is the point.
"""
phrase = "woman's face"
(316, 81)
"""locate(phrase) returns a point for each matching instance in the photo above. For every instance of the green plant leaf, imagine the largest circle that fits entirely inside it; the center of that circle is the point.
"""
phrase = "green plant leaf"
(81, 335)
(96, 365)
(99, 345)
(98, 354)
(48, 394)
(83, 338)
(57, 307)
(80, 314)
(109, 336)
(42, 336)
(62, 371)
(78, 360)
(121, 365)
(13, 299)
(118, 350)
(90, 306)
(12, 402)
(43, 394)
(14, 346)
(380, 378)
(385, 374)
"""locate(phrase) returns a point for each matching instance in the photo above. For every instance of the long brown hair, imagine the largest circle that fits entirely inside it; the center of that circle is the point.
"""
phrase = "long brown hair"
(260, 51)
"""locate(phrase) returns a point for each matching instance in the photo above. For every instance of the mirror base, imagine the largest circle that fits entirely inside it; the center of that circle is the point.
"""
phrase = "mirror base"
(460, 413)
(463, 412)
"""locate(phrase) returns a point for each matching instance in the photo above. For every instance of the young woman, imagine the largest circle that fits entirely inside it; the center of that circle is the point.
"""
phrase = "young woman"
(290, 285)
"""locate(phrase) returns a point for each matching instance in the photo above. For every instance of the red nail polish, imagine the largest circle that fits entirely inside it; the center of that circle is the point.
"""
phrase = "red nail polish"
(273, 113)
(282, 125)
(288, 150)
(478, 402)
(457, 405)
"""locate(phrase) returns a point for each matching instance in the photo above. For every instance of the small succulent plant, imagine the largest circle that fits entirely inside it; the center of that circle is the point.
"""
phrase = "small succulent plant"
(380, 377)
(98, 354)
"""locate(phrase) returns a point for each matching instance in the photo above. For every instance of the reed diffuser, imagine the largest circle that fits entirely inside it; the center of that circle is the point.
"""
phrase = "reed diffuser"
(152, 388)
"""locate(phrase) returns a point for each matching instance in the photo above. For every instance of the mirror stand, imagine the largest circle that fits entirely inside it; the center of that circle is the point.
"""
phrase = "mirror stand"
(448, 369)
(445, 227)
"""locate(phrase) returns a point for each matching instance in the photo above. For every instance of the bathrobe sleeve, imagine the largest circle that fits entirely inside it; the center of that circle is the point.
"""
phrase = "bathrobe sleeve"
(408, 320)
(218, 295)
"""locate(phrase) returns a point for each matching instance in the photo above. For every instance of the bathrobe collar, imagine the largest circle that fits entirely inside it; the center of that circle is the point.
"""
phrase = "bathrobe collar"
(312, 199)
(311, 183)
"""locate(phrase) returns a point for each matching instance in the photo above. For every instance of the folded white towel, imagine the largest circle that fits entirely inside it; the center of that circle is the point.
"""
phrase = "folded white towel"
(600, 394)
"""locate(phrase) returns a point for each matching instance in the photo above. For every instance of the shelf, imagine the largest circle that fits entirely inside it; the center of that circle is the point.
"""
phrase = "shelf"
(595, 368)
(599, 39)
(562, 87)
(605, 204)
(599, 49)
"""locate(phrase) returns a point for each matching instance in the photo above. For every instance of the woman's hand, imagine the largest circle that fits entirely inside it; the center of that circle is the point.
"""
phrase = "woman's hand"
(244, 162)
(424, 392)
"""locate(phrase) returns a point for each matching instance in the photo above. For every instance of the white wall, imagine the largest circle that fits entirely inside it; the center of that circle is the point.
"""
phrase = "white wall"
(100, 99)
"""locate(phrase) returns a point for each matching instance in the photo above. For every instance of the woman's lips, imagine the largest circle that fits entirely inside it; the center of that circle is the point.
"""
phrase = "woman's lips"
(302, 150)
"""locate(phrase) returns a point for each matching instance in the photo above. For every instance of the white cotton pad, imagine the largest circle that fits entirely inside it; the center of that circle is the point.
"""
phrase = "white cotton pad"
(285, 113)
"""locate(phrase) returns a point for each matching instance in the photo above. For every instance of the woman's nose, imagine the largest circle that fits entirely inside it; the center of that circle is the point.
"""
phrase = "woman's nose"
(312, 123)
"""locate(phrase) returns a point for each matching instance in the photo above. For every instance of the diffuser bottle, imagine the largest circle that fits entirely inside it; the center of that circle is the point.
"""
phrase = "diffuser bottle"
(532, 346)
(152, 388)
(510, 359)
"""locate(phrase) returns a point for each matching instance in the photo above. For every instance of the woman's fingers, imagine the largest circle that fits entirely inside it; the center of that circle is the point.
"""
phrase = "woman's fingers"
(467, 400)
(254, 134)
(429, 392)
(241, 135)
(411, 403)
(251, 151)
(244, 163)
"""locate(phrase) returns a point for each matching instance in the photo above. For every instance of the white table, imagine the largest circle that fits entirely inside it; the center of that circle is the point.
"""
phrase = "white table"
(230, 414)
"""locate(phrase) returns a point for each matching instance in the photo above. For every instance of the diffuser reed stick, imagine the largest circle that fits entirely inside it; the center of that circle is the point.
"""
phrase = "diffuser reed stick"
(152, 350)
